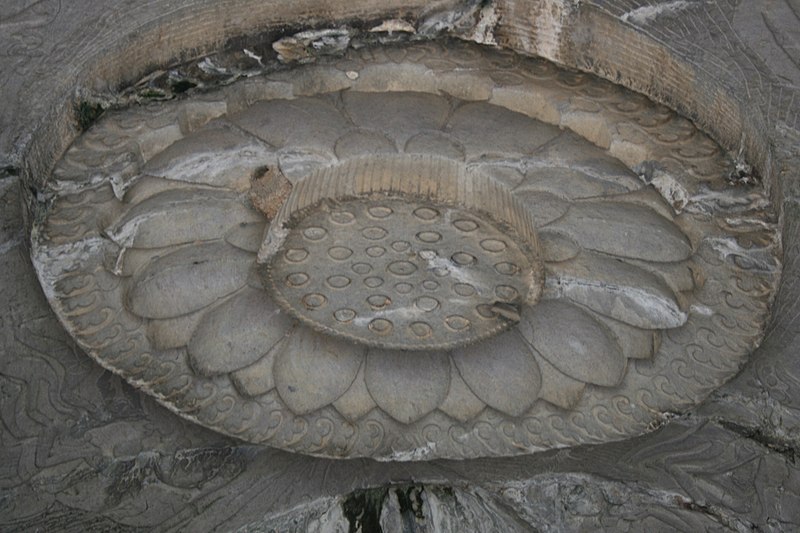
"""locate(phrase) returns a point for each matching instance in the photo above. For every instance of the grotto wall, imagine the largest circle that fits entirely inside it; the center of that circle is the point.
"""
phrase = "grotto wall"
(84, 450)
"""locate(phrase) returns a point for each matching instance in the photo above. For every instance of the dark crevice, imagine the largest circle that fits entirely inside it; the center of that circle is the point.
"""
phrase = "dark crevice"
(410, 502)
(760, 435)
(362, 509)
(87, 113)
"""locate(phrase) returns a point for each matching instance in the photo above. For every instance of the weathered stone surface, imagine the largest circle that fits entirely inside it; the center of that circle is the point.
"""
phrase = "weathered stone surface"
(286, 123)
(401, 117)
(348, 260)
(557, 387)
(502, 372)
(356, 402)
(187, 280)
(161, 472)
(190, 216)
(312, 370)
(592, 355)
(217, 156)
(621, 291)
(511, 133)
(237, 333)
(460, 403)
(407, 385)
(624, 230)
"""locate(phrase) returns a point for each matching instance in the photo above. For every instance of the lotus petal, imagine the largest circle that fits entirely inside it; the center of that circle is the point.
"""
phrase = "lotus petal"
(246, 236)
(175, 332)
(616, 289)
(312, 370)
(557, 387)
(178, 217)
(219, 156)
(237, 333)
(435, 142)
(131, 260)
(147, 186)
(188, 280)
(304, 122)
(407, 385)
(568, 183)
(573, 342)
(648, 197)
(258, 378)
(461, 403)
(398, 115)
(356, 402)
(572, 151)
(681, 277)
(557, 247)
(360, 142)
(636, 343)
(297, 163)
(625, 230)
(544, 207)
(512, 134)
(502, 372)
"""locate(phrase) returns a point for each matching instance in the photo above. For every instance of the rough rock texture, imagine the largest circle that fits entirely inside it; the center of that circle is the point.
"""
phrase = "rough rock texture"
(82, 451)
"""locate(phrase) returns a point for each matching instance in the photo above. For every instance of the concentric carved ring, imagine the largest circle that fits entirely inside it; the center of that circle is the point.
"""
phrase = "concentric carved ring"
(478, 254)
(404, 252)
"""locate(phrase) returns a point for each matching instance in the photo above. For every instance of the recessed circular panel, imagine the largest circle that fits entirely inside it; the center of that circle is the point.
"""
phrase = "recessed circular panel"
(409, 262)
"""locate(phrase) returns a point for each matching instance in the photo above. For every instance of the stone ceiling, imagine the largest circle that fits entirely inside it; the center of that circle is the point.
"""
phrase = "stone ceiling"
(85, 451)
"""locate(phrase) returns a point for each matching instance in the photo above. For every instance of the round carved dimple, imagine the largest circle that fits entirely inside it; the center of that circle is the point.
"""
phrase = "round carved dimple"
(373, 282)
(436, 258)
(467, 226)
(457, 322)
(296, 255)
(378, 301)
(430, 285)
(401, 246)
(344, 315)
(340, 253)
(421, 330)
(426, 303)
(342, 218)
(463, 259)
(374, 233)
(428, 255)
(493, 245)
(375, 251)
(381, 326)
(464, 289)
(507, 269)
(404, 288)
(380, 211)
(429, 236)
(297, 279)
(315, 233)
(362, 268)
(426, 213)
(338, 282)
(314, 300)
(485, 311)
(506, 293)
(402, 268)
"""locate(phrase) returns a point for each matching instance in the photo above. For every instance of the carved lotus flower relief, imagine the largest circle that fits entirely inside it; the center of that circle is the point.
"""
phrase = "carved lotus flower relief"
(362, 272)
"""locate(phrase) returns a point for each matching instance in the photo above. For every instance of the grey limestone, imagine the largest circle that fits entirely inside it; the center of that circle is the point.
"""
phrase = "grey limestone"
(83, 450)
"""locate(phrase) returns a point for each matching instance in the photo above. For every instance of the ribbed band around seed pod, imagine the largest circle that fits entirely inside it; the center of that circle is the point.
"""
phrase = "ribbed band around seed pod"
(405, 252)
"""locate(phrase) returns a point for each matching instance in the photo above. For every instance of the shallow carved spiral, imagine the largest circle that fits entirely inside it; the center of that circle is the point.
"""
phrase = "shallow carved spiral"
(495, 257)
